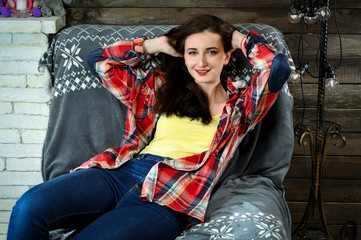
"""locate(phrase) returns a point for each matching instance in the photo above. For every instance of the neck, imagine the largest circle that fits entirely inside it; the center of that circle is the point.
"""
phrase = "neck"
(217, 97)
(214, 92)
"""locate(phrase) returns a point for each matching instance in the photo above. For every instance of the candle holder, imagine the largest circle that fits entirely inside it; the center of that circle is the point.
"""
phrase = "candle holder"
(21, 10)
(21, 13)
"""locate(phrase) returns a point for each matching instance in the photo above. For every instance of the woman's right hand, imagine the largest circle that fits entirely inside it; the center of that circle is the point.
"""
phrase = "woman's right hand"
(160, 45)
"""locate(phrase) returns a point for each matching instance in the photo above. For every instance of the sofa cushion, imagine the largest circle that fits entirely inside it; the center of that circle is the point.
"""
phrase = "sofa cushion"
(84, 118)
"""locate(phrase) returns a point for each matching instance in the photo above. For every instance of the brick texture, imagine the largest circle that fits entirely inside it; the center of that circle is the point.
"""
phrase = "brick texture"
(24, 107)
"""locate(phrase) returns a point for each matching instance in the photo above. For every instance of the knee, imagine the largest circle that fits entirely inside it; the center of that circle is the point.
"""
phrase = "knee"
(27, 217)
(28, 206)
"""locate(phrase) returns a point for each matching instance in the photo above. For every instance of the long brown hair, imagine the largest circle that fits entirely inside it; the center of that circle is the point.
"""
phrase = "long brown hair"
(180, 95)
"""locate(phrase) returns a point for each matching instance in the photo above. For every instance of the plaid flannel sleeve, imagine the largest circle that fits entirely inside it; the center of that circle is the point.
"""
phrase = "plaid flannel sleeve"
(120, 67)
(273, 71)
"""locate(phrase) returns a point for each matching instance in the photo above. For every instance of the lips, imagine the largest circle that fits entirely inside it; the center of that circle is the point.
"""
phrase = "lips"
(202, 72)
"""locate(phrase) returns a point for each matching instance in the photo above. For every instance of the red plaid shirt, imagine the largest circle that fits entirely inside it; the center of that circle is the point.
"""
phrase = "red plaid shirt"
(183, 184)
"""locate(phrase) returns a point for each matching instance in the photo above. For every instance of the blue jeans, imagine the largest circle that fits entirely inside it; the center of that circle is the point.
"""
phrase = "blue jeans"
(103, 203)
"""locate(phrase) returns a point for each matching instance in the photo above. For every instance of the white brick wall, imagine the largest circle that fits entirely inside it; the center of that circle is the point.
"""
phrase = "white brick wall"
(24, 107)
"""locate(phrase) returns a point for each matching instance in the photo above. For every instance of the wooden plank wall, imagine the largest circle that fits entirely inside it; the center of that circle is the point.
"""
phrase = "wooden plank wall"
(341, 184)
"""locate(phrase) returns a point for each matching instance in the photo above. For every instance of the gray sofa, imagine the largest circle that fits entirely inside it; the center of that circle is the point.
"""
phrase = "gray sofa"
(248, 202)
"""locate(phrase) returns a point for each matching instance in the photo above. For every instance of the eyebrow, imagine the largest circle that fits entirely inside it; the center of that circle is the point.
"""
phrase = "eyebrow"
(210, 48)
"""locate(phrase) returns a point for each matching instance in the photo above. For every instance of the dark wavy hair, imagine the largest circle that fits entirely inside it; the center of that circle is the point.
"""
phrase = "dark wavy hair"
(180, 95)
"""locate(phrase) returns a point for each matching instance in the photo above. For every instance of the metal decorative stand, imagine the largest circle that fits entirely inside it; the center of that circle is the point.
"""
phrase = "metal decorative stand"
(318, 140)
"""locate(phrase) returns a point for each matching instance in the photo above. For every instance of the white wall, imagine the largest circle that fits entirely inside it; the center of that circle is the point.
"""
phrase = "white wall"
(24, 106)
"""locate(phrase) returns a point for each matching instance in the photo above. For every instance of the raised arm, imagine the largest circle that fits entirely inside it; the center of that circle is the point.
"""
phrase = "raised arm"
(121, 66)
(273, 71)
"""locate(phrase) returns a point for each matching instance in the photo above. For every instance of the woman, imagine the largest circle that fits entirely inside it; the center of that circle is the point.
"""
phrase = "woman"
(184, 122)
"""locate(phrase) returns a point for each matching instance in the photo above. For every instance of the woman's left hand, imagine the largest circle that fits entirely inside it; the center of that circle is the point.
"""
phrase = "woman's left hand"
(237, 39)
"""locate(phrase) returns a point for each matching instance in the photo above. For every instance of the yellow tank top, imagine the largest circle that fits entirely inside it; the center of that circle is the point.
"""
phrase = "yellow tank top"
(177, 137)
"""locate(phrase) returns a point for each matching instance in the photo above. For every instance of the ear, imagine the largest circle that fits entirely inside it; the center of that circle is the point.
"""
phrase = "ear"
(228, 56)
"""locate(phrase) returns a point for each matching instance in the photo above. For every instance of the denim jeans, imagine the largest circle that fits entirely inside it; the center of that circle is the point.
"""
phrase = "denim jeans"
(103, 203)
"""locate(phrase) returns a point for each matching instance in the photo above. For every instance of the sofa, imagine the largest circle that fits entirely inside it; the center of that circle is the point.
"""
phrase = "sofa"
(85, 119)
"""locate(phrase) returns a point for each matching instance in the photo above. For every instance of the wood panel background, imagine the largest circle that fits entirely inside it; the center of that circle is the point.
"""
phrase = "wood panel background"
(341, 185)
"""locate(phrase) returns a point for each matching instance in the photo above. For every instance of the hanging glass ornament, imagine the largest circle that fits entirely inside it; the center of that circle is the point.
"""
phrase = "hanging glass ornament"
(331, 83)
(309, 20)
(294, 18)
(323, 13)
(295, 76)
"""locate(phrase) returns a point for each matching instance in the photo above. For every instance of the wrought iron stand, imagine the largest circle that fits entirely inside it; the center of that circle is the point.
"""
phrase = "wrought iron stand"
(318, 140)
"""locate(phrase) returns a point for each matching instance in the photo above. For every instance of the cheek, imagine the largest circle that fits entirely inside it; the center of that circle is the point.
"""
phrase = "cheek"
(189, 62)
(217, 63)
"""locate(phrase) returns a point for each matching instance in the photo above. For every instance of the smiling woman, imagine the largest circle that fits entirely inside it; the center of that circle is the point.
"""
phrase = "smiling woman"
(205, 58)
(195, 85)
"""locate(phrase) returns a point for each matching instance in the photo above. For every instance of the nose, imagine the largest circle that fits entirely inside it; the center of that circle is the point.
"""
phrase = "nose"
(202, 61)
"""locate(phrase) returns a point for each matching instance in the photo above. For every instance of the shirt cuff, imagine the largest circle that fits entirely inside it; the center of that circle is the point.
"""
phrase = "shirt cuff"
(251, 39)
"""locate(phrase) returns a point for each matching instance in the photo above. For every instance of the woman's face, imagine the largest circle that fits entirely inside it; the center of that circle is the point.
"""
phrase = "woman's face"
(204, 57)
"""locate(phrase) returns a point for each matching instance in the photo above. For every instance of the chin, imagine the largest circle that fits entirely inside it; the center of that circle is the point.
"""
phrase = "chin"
(197, 80)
